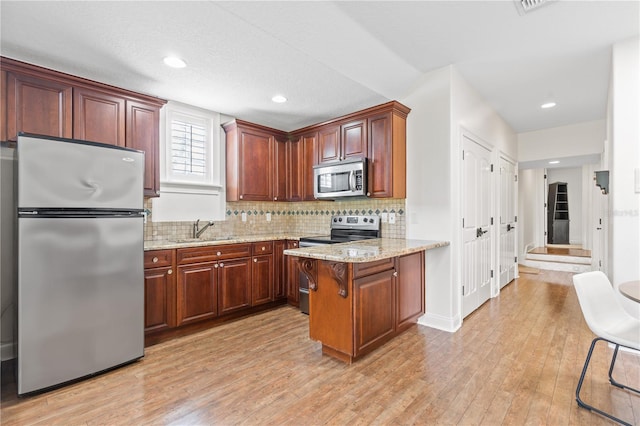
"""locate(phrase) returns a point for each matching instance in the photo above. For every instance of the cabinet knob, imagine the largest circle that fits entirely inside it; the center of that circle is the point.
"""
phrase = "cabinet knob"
(368, 194)
(275, 198)
(295, 244)
(241, 197)
(263, 248)
(154, 260)
(170, 271)
(222, 265)
(215, 266)
(218, 253)
(395, 274)
(255, 260)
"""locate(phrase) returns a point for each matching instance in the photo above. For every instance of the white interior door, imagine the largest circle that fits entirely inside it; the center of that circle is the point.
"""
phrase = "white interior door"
(599, 230)
(477, 234)
(507, 222)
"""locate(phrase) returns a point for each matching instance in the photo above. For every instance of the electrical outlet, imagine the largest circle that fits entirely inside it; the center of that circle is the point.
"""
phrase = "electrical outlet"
(392, 218)
(268, 217)
(244, 216)
(384, 217)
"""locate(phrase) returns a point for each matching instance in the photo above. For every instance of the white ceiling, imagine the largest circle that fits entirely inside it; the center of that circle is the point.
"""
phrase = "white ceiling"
(331, 58)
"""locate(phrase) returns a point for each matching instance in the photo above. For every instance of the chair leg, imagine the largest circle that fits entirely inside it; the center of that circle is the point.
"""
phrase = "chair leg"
(581, 403)
(612, 380)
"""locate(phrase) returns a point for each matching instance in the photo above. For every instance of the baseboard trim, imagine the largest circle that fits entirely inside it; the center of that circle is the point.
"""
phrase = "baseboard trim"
(440, 322)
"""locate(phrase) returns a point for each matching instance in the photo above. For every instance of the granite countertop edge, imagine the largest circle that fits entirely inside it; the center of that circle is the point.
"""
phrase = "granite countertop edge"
(366, 250)
(191, 242)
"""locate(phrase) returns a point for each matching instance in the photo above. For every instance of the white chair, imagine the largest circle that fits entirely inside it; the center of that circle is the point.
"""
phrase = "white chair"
(608, 320)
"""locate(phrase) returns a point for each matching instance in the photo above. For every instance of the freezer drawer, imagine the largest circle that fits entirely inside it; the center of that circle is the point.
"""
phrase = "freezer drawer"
(80, 297)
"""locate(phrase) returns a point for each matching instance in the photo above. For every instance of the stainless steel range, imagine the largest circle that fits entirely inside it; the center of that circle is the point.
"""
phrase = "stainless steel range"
(344, 228)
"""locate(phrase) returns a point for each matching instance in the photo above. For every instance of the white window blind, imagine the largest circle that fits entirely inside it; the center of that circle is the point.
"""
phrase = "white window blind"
(188, 149)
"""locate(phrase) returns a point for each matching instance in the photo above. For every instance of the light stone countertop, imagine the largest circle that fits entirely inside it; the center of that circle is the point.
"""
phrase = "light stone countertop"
(365, 250)
(201, 242)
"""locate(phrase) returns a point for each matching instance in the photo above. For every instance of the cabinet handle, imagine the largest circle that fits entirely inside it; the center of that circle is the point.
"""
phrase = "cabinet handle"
(295, 244)
(222, 265)
(255, 260)
(275, 198)
(170, 271)
(215, 266)
(395, 274)
(368, 194)
(155, 260)
(241, 197)
(218, 253)
(263, 248)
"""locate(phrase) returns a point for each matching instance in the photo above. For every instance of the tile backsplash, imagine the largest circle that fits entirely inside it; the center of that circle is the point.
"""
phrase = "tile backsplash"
(286, 218)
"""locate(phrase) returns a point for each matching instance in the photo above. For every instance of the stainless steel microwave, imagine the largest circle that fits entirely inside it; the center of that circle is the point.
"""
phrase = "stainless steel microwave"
(343, 179)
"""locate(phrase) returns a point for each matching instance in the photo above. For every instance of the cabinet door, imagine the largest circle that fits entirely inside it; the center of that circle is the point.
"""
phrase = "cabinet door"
(309, 159)
(261, 280)
(354, 139)
(279, 270)
(197, 299)
(280, 171)
(380, 156)
(255, 168)
(234, 285)
(142, 133)
(374, 310)
(39, 106)
(410, 289)
(293, 276)
(159, 299)
(98, 117)
(329, 143)
(295, 177)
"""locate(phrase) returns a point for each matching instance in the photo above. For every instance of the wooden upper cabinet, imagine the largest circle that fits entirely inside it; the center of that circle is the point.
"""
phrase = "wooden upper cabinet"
(98, 117)
(329, 143)
(280, 170)
(310, 159)
(37, 105)
(354, 139)
(295, 175)
(256, 162)
(387, 155)
(142, 133)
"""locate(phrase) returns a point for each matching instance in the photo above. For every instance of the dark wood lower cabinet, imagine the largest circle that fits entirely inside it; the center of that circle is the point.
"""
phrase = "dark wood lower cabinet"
(280, 262)
(374, 309)
(410, 297)
(159, 298)
(234, 285)
(197, 298)
(261, 280)
(293, 276)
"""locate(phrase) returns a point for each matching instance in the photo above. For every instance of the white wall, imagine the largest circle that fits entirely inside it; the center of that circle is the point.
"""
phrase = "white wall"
(573, 177)
(624, 158)
(530, 210)
(443, 105)
(564, 141)
(428, 200)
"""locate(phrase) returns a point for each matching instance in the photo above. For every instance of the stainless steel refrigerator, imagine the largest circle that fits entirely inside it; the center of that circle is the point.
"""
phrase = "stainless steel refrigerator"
(80, 259)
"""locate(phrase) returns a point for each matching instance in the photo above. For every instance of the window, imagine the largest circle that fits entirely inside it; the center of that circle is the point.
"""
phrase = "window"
(191, 150)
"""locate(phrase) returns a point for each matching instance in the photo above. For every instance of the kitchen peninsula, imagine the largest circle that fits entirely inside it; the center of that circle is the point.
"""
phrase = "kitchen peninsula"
(363, 293)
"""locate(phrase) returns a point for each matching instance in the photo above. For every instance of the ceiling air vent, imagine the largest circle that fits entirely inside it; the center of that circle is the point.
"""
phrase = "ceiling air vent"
(525, 6)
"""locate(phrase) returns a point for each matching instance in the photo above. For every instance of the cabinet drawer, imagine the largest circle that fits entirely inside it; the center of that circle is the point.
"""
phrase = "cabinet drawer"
(364, 269)
(263, 247)
(158, 258)
(212, 253)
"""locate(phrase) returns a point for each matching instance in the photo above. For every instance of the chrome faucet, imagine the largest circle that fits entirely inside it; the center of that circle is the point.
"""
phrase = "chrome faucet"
(196, 231)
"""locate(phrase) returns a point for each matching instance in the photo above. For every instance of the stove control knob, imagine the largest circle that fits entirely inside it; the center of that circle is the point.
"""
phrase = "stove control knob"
(335, 219)
(340, 219)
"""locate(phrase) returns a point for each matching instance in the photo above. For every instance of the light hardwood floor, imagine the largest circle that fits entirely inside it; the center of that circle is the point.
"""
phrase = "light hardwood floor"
(515, 361)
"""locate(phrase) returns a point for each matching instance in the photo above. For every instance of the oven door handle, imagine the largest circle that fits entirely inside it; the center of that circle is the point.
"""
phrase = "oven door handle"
(352, 180)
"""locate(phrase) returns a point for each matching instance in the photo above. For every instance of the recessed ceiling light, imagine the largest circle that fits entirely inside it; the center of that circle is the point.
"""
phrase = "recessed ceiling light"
(548, 105)
(554, 162)
(279, 99)
(174, 62)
